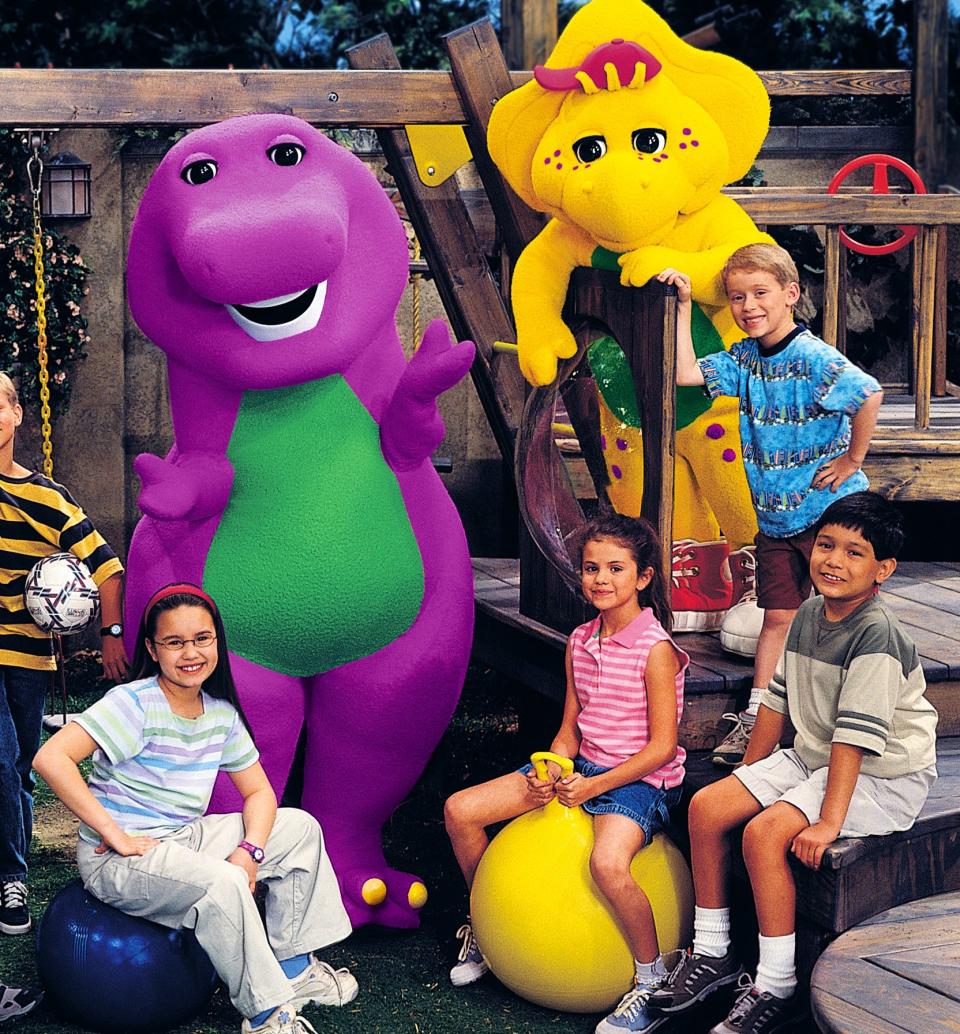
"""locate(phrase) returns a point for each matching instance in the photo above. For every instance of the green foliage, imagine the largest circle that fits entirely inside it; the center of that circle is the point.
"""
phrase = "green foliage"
(415, 27)
(142, 33)
(66, 284)
(218, 33)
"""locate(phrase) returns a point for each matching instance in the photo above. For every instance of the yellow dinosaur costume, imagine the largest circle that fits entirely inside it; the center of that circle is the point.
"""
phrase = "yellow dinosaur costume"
(626, 137)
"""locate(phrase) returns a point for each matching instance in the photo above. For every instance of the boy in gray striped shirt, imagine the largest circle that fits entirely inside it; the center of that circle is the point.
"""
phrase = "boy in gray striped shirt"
(862, 763)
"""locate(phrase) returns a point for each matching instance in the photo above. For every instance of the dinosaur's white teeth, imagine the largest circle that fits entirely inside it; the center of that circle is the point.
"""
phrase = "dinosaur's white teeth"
(281, 317)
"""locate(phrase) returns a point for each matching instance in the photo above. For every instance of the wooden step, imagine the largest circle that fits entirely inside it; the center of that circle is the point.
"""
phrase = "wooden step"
(924, 596)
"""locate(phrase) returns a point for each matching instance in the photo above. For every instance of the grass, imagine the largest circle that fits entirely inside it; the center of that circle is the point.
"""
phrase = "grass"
(404, 987)
(402, 974)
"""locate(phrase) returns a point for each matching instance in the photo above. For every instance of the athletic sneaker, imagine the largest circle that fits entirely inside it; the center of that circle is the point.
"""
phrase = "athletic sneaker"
(283, 1020)
(321, 984)
(632, 1014)
(471, 965)
(731, 749)
(17, 1001)
(759, 1012)
(695, 977)
(14, 917)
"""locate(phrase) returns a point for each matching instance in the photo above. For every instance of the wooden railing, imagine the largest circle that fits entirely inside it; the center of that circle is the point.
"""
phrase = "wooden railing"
(934, 214)
(378, 99)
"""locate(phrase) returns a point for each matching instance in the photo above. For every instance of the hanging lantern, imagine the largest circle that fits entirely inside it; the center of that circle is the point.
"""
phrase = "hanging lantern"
(66, 187)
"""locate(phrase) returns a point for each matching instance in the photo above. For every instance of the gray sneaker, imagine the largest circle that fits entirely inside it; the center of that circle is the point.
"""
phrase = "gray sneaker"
(471, 965)
(321, 984)
(631, 1016)
(731, 749)
(695, 978)
(18, 1001)
(759, 1012)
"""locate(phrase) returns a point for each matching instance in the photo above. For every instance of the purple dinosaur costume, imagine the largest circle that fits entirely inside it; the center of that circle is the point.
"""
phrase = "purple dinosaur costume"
(268, 264)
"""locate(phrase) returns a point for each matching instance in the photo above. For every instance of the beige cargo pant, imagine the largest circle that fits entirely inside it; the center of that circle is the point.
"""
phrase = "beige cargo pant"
(186, 881)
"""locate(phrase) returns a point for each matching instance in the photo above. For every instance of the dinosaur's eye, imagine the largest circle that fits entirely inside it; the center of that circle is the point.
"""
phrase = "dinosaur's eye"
(198, 172)
(590, 148)
(286, 154)
(649, 141)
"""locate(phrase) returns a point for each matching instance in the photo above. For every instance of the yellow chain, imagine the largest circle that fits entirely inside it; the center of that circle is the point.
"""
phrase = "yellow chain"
(44, 376)
(417, 279)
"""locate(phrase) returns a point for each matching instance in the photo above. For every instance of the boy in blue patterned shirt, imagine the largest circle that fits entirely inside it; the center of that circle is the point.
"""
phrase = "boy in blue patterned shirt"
(807, 415)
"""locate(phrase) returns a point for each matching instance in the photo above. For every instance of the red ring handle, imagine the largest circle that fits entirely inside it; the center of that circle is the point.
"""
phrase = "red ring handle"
(880, 163)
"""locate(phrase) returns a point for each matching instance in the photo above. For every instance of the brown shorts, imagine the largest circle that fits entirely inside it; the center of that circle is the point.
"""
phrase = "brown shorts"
(783, 570)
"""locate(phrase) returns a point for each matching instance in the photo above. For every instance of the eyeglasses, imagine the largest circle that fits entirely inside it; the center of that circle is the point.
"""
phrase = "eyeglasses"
(202, 642)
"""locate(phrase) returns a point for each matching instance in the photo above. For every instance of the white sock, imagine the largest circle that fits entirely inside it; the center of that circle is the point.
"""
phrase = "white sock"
(648, 973)
(711, 931)
(777, 968)
(749, 713)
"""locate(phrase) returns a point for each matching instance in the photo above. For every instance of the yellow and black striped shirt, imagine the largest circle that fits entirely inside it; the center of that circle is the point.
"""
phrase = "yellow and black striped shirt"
(39, 517)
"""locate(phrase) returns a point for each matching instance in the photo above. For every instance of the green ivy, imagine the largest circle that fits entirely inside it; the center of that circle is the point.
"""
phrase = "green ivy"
(66, 285)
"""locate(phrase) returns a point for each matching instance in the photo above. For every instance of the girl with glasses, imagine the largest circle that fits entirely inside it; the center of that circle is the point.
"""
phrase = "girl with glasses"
(146, 846)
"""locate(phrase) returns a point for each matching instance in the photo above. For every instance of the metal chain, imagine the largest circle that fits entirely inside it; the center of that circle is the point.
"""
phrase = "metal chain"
(35, 175)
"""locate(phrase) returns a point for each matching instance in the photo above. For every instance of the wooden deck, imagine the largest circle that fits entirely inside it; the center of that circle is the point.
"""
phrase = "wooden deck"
(897, 411)
(924, 596)
(898, 972)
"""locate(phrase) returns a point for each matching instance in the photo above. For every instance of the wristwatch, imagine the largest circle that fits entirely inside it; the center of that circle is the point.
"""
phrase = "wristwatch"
(256, 853)
(116, 630)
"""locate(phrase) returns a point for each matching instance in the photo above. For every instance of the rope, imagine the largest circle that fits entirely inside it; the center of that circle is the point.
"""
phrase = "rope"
(416, 279)
(35, 175)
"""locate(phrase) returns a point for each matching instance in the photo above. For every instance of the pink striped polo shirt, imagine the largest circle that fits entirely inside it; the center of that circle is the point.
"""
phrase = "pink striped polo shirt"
(609, 681)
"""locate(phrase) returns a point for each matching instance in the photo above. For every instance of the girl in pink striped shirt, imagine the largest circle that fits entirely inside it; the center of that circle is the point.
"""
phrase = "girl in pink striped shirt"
(623, 705)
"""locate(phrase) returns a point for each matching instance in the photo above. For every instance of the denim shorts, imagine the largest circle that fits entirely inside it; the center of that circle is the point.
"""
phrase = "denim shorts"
(648, 806)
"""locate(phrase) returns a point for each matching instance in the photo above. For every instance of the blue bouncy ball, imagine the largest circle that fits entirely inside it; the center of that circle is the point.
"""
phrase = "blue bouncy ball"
(118, 974)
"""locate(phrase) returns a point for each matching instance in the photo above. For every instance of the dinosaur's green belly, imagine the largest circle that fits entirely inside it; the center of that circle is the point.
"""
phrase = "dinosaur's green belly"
(314, 563)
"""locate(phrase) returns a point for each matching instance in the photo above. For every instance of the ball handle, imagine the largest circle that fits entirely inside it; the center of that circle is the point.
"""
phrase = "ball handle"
(539, 761)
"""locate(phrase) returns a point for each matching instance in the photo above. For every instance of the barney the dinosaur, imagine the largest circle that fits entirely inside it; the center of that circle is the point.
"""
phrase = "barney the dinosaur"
(268, 263)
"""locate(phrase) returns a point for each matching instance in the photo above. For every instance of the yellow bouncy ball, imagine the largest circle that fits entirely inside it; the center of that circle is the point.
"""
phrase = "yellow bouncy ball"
(544, 927)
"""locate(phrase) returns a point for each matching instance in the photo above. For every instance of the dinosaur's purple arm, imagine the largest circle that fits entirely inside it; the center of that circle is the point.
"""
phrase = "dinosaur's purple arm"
(191, 486)
(411, 427)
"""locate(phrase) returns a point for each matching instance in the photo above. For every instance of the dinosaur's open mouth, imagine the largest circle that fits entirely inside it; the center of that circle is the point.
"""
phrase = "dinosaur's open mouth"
(277, 318)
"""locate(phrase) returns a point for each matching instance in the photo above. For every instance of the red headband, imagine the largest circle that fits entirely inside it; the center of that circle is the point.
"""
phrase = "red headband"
(177, 589)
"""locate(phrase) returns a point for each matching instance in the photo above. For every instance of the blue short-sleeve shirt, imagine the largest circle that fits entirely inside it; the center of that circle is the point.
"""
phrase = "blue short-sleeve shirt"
(796, 401)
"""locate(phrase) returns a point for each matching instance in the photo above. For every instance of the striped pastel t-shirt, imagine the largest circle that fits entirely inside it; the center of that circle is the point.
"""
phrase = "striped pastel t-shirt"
(608, 676)
(154, 770)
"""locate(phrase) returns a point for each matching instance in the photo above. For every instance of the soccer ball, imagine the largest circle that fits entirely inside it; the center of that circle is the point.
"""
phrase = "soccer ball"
(60, 595)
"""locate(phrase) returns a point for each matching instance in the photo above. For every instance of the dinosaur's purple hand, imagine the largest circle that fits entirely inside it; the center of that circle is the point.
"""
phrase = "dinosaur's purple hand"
(411, 427)
(191, 487)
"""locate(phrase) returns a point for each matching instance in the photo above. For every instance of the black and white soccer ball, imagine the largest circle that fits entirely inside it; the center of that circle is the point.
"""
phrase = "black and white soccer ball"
(60, 595)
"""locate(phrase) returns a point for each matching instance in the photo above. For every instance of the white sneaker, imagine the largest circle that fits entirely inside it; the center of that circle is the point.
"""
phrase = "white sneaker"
(283, 1020)
(740, 628)
(321, 984)
(471, 965)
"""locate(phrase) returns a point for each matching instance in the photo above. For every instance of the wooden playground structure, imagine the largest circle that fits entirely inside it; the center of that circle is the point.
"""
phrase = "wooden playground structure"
(523, 613)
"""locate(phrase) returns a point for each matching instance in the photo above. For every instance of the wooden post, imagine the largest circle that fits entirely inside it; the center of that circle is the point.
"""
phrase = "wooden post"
(834, 291)
(939, 386)
(930, 91)
(482, 78)
(529, 31)
(461, 273)
(644, 323)
(924, 315)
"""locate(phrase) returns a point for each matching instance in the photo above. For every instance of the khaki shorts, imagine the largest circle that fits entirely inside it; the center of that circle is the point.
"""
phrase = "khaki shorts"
(877, 806)
(783, 570)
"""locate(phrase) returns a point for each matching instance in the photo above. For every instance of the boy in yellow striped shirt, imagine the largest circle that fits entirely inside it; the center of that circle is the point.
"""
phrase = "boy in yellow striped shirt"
(37, 517)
